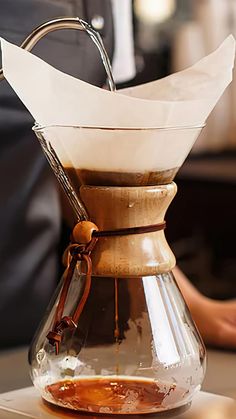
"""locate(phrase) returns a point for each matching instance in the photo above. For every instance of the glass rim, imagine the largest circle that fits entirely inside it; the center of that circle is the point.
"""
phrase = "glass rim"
(38, 128)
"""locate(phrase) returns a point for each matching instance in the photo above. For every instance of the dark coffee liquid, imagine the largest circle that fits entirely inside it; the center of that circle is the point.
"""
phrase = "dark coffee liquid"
(112, 395)
(80, 177)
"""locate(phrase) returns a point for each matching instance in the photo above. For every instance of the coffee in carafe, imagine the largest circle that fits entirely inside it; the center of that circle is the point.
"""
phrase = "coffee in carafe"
(112, 395)
(80, 177)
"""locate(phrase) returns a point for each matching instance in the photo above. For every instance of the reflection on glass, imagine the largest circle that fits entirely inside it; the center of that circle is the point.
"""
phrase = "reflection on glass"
(135, 349)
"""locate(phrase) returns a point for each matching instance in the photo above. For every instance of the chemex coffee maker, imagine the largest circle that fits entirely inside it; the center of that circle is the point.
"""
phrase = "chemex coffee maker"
(118, 337)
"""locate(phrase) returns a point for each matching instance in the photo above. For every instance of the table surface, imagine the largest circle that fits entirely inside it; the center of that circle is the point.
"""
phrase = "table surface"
(26, 403)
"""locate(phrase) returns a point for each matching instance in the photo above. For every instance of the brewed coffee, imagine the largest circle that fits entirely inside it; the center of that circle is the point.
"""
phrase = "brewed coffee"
(112, 395)
(80, 177)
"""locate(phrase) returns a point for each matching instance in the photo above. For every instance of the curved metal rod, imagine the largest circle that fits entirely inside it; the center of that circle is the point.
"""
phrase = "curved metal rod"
(69, 23)
(28, 44)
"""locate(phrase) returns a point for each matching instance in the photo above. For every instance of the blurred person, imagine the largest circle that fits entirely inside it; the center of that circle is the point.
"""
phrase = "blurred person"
(216, 320)
(212, 22)
(30, 209)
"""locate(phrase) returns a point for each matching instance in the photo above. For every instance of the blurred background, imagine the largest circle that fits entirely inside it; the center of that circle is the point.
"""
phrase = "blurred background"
(171, 35)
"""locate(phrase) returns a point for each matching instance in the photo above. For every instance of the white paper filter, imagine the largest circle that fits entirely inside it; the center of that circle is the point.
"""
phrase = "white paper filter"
(121, 150)
(184, 99)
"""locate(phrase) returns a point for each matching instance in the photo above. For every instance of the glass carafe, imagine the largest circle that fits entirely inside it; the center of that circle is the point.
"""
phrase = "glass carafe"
(123, 341)
(135, 349)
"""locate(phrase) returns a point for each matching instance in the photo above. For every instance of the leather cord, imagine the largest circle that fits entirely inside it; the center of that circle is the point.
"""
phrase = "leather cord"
(75, 253)
(132, 230)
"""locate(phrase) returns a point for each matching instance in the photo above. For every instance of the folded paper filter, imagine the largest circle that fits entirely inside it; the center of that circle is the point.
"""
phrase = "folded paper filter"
(138, 135)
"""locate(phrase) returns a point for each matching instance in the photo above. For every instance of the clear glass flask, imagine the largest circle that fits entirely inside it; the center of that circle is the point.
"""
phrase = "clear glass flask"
(132, 347)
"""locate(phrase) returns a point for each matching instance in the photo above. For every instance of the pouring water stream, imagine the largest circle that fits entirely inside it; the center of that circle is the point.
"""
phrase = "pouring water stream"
(28, 44)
